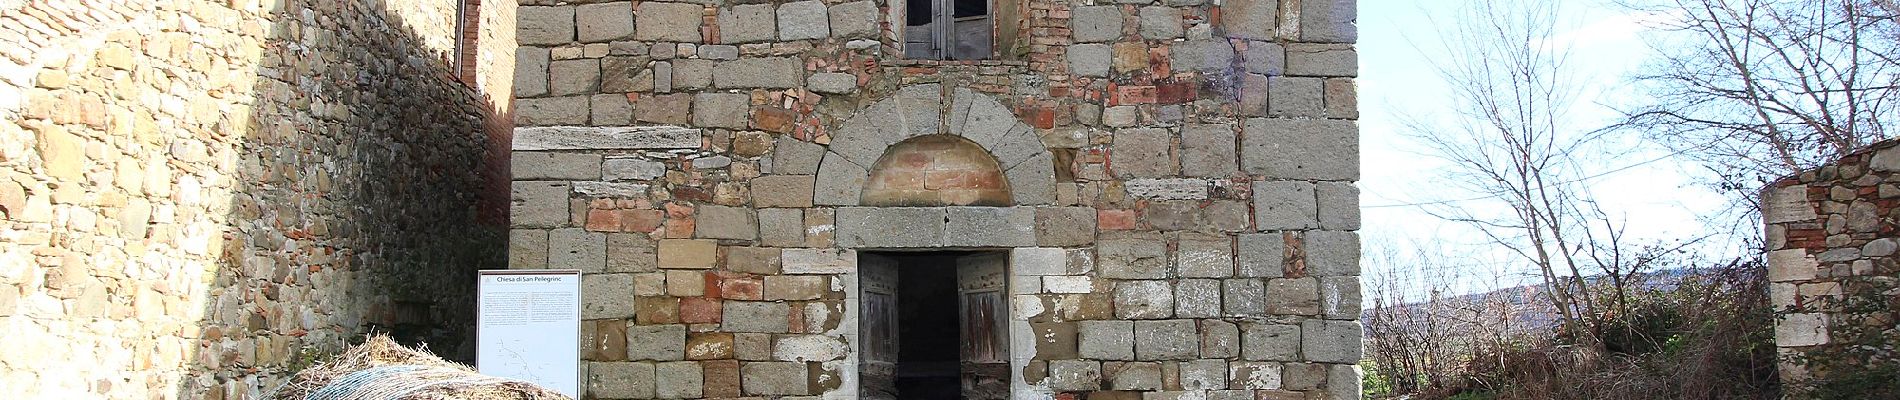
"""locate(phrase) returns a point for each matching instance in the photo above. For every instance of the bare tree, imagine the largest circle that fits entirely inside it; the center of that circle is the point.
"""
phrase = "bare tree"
(1757, 89)
(1510, 141)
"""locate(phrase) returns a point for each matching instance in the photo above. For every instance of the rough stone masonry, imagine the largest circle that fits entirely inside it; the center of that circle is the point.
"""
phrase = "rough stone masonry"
(198, 197)
(1833, 252)
(1172, 181)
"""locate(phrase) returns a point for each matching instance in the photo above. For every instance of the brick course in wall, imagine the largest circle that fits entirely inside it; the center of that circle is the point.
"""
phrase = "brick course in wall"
(1179, 222)
(201, 196)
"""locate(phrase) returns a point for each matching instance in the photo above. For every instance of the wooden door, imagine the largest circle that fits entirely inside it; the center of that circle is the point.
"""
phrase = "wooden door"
(982, 289)
(877, 332)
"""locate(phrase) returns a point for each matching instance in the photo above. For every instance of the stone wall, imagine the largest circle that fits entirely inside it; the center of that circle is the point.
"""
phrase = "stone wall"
(201, 196)
(1180, 175)
(1831, 240)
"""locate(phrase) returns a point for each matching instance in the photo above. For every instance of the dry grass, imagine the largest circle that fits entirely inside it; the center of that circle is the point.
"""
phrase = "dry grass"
(382, 369)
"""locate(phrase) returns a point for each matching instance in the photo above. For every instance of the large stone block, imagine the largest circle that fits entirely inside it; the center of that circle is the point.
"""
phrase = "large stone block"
(891, 227)
(678, 380)
(781, 227)
(667, 22)
(1204, 375)
(656, 342)
(675, 108)
(688, 254)
(721, 110)
(1343, 381)
(1075, 375)
(1250, 19)
(631, 169)
(1293, 296)
(607, 296)
(1270, 342)
(1332, 253)
(1147, 299)
(802, 20)
(1300, 149)
(527, 249)
(1330, 341)
(1132, 375)
(1142, 153)
(611, 109)
(1065, 226)
(1338, 205)
(1033, 182)
(1096, 23)
(819, 261)
(1329, 21)
(1136, 256)
(538, 204)
(633, 380)
(1300, 97)
(630, 252)
(832, 83)
(604, 22)
(605, 138)
(1167, 189)
(797, 157)
(774, 378)
(1264, 58)
(1339, 297)
(1207, 150)
(531, 71)
(1244, 296)
(1204, 256)
(1253, 375)
(565, 110)
(1106, 340)
(576, 248)
(990, 227)
(544, 25)
(782, 191)
(1197, 298)
(555, 166)
(722, 222)
(1263, 255)
(1175, 339)
(748, 23)
(1206, 55)
(767, 72)
(1284, 205)
(1090, 59)
(756, 316)
(1801, 329)
(1161, 23)
(692, 74)
(1322, 60)
(1219, 339)
(854, 20)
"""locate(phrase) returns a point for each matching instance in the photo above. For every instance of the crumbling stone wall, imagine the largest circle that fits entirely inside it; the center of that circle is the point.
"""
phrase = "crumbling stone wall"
(199, 196)
(1181, 207)
(1831, 239)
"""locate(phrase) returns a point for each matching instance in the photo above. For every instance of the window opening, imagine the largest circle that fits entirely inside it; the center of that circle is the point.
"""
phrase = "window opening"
(948, 29)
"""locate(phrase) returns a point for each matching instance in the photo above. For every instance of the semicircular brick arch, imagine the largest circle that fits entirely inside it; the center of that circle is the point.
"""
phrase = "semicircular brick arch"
(919, 110)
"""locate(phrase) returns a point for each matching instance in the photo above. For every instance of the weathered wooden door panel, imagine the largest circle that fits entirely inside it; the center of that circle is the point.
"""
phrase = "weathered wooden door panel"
(982, 285)
(878, 334)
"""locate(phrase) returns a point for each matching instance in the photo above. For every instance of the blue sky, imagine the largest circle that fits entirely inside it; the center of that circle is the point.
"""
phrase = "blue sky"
(1657, 199)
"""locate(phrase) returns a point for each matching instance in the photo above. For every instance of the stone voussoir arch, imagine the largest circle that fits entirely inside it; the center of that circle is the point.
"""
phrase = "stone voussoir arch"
(918, 110)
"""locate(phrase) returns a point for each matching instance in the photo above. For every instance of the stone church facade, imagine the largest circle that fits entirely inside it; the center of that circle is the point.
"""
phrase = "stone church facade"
(999, 199)
(795, 199)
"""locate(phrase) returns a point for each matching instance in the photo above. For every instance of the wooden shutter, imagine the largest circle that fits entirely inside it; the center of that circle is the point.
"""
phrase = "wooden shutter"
(982, 288)
(877, 327)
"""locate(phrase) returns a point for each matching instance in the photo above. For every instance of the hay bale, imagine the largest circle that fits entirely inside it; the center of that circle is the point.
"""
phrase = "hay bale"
(381, 369)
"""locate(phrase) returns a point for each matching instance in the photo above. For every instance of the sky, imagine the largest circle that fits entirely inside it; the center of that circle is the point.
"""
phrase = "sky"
(1652, 193)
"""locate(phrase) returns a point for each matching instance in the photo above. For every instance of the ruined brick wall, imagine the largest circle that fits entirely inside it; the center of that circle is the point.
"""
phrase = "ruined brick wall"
(1181, 217)
(199, 196)
(1831, 233)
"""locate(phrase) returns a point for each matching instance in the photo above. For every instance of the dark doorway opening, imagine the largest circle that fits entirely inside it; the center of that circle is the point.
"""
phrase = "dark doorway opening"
(933, 326)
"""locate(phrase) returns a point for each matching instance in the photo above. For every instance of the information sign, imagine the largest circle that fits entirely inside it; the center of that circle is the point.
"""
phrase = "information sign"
(528, 327)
